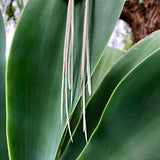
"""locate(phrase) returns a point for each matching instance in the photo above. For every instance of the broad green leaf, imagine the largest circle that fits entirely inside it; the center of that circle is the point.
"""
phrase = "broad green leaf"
(134, 56)
(109, 57)
(35, 68)
(129, 127)
(97, 104)
(3, 138)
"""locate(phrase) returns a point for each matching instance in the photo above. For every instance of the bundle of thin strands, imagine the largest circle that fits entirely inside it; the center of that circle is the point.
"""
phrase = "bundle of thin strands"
(67, 74)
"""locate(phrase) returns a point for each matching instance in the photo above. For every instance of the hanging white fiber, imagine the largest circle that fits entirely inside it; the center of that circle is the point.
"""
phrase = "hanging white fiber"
(67, 73)
(85, 55)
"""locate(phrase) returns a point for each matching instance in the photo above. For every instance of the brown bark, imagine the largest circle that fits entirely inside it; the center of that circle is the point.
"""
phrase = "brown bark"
(142, 18)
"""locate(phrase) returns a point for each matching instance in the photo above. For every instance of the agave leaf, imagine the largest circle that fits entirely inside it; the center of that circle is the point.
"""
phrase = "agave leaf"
(97, 104)
(35, 68)
(3, 139)
(108, 59)
(134, 56)
(129, 127)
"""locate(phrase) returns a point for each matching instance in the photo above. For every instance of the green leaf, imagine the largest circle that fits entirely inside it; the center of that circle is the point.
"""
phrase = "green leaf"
(133, 57)
(109, 57)
(129, 127)
(97, 104)
(35, 68)
(3, 140)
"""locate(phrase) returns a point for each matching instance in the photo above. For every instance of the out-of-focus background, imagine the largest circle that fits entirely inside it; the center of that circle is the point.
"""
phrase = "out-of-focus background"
(11, 11)
(138, 19)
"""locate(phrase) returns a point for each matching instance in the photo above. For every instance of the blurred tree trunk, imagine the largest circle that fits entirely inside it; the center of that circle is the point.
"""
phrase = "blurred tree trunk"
(143, 18)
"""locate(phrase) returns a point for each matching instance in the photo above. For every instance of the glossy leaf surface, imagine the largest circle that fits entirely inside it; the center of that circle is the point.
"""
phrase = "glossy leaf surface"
(129, 127)
(108, 59)
(3, 138)
(98, 102)
(35, 68)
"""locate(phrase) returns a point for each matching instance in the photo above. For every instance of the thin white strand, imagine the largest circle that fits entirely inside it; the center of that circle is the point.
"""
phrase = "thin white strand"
(85, 34)
(88, 69)
(70, 44)
(68, 29)
(84, 112)
(72, 37)
(84, 43)
(64, 53)
(67, 115)
(65, 65)
(69, 66)
(82, 65)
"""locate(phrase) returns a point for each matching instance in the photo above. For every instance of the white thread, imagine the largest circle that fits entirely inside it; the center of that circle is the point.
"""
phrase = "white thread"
(67, 62)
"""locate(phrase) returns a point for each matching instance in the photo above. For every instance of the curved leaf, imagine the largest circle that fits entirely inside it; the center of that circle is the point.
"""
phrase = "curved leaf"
(3, 139)
(133, 57)
(129, 127)
(35, 68)
(109, 57)
(97, 104)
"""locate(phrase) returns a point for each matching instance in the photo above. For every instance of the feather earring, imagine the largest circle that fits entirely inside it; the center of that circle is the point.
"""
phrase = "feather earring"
(85, 55)
(67, 73)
